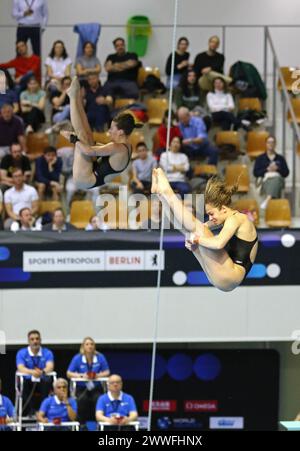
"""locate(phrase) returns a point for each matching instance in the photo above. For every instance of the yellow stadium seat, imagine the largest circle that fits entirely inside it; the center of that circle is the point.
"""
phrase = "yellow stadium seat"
(287, 74)
(36, 143)
(250, 103)
(144, 72)
(61, 141)
(134, 139)
(278, 213)
(81, 212)
(256, 143)
(228, 137)
(101, 137)
(296, 108)
(237, 173)
(156, 109)
(204, 169)
(49, 205)
(248, 205)
(121, 103)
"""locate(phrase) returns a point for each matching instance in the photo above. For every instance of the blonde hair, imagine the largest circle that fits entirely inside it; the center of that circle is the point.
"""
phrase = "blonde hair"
(218, 194)
(81, 349)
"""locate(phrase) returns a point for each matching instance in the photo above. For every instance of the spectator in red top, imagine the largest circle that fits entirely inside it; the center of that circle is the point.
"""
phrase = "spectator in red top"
(25, 65)
(162, 134)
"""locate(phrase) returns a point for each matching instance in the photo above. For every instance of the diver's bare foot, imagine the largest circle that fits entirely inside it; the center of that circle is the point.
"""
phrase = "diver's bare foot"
(74, 89)
(161, 185)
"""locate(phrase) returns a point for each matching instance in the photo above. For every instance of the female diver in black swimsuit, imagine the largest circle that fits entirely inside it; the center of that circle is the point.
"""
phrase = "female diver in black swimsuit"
(115, 155)
(227, 257)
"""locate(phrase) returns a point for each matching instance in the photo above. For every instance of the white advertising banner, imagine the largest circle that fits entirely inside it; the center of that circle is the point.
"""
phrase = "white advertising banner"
(85, 261)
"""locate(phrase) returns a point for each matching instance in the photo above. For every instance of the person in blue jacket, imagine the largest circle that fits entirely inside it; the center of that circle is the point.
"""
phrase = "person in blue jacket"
(58, 408)
(90, 365)
(7, 411)
(116, 407)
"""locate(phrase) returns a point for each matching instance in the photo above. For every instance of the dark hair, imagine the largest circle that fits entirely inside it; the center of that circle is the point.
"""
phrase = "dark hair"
(126, 121)
(23, 209)
(49, 149)
(184, 85)
(89, 43)
(176, 137)
(217, 193)
(30, 79)
(183, 38)
(141, 144)
(14, 170)
(67, 77)
(222, 80)
(35, 332)
(64, 54)
(9, 80)
(118, 39)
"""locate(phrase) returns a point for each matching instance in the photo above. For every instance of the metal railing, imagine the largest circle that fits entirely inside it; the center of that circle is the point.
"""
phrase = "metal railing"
(286, 108)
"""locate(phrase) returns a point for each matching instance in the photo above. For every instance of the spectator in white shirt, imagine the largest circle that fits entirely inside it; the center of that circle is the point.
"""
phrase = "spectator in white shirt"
(26, 222)
(176, 165)
(142, 169)
(58, 65)
(19, 196)
(32, 17)
(221, 105)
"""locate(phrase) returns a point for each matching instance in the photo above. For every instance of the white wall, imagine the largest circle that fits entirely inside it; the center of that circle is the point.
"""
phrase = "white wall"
(241, 43)
(191, 314)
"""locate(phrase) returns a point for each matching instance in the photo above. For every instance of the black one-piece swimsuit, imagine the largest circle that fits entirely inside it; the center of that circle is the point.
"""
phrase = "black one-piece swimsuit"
(103, 168)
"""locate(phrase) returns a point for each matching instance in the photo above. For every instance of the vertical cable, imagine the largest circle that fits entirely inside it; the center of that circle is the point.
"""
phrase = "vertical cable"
(154, 346)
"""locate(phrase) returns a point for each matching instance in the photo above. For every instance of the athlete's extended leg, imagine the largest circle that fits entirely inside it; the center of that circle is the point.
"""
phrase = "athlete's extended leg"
(83, 165)
(217, 265)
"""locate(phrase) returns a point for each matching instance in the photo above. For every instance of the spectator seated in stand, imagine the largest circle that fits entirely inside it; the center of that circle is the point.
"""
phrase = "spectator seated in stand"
(10, 96)
(272, 169)
(60, 106)
(15, 159)
(32, 102)
(210, 64)
(116, 407)
(58, 65)
(181, 62)
(195, 139)
(97, 104)
(35, 362)
(122, 68)
(48, 168)
(176, 165)
(88, 63)
(25, 66)
(11, 130)
(221, 106)
(142, 168)
(58, 408)
(188, 92)
(96, 224)
(19, 196)
(88, 364)
(26, 223)
(58, 223)
(162, 133)
(7, 411)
